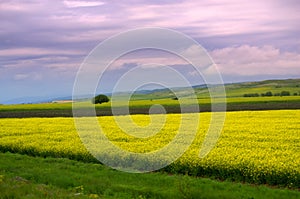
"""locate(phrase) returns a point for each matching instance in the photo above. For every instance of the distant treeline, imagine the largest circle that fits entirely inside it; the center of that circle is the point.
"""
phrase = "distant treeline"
(269, 94)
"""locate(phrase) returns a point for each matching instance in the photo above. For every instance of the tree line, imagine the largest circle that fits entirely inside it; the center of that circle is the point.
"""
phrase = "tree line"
(269, 94)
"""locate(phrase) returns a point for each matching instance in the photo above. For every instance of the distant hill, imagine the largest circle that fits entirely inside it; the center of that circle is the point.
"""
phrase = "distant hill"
(274, 86)
(36, 99)
(232, 90)
(201, 91)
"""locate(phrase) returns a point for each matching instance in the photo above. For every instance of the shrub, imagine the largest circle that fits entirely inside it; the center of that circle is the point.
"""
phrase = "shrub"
(269, 93)
(285, 93)
(251, 95)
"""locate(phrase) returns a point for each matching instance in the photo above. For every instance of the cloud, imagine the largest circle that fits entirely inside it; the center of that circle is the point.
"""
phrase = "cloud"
(254, 60)
(52, 38)
(147, 58)
(82, 21)
(85, 23)
(17, 52)
(74, 4)
(31, 76)
(213, 18)
(21, 76)
(243, 60)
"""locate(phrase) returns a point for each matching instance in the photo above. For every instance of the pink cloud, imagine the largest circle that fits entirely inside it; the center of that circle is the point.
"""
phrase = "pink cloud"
(37, 52)
(74, 4)
(24, 76)
(253, 60)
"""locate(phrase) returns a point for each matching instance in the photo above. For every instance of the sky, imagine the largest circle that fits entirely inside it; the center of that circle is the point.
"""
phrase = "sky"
(43, 43)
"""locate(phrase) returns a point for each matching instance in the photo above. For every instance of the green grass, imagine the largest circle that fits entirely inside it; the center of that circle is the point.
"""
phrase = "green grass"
(18, 187)
(142, 106)
(20, 177)
(142, 103)
(32, 107)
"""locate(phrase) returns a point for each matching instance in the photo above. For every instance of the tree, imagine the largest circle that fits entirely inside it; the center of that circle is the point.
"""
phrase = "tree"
(269, 94)
(99, 99)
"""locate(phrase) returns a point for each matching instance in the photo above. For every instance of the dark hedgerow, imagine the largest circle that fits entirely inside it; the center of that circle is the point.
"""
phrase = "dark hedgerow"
(251, 95)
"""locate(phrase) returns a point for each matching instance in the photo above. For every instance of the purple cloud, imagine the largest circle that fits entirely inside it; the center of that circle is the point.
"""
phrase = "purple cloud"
(43, 40)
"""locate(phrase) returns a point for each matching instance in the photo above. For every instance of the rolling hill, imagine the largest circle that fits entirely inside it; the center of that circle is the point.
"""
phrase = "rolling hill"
(232, 90)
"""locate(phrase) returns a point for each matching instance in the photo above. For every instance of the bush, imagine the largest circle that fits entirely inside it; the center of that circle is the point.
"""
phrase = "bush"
(269, 93)
(99, 99)
(285, 93)
(251, 95)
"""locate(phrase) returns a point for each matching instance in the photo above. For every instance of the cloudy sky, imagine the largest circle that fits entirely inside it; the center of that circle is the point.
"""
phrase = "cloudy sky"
(43, 43)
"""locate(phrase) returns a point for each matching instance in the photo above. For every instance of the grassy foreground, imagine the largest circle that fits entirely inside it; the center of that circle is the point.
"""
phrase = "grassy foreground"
(20, 177)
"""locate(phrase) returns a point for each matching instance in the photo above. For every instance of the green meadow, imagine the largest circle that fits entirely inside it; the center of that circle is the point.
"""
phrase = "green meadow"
(20, 177)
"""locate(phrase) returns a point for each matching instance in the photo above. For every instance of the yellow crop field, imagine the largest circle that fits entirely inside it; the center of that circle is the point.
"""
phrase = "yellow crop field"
(254, 146)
